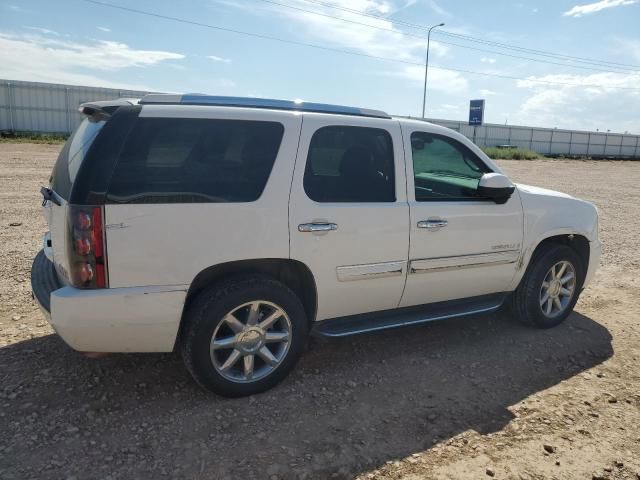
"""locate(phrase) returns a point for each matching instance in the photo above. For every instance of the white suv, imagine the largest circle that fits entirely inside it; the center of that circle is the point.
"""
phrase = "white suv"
(231, 228)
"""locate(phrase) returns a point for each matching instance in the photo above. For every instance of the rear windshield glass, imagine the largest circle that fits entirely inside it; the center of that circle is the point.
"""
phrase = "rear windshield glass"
(72, 156)
(184, 160)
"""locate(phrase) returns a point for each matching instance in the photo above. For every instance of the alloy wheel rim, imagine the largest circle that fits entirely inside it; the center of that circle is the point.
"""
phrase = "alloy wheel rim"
(557, 289)
(251, 341)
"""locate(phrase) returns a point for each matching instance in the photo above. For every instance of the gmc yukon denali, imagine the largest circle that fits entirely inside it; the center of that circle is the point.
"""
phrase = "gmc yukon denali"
(230, 229)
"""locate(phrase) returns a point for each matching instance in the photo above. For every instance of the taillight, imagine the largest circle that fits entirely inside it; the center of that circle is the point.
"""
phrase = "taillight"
(87, 254)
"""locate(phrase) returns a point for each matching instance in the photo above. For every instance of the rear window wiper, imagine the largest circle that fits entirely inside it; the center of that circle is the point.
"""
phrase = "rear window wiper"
(50, 195)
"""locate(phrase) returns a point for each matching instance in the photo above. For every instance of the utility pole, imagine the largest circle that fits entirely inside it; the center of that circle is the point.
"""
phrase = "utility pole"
(426, 69)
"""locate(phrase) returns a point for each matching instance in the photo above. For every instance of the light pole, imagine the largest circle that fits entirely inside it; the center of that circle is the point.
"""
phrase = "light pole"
(426, 69)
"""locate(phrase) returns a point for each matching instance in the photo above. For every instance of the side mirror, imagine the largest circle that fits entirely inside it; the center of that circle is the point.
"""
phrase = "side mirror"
(495, 186)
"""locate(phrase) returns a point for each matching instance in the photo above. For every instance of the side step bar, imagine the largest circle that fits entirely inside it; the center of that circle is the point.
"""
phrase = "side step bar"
(401, 317)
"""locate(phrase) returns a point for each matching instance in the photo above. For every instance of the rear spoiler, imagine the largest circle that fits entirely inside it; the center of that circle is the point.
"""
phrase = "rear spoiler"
(102, 110)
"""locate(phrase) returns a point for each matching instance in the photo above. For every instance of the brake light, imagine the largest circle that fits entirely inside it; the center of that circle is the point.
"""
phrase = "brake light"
(85, 272)
(83, 246)
(83, 220)
(87, 254)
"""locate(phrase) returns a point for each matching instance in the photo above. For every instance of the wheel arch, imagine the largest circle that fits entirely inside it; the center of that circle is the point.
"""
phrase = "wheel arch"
(575, 240)
(292, 273)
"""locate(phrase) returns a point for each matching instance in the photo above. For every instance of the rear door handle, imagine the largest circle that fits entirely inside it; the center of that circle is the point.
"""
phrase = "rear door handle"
(317, 227)
(432, 224)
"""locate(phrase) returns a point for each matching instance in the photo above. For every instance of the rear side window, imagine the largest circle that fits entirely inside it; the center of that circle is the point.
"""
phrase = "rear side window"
(350, 164)
(72, 155)
(180, 160)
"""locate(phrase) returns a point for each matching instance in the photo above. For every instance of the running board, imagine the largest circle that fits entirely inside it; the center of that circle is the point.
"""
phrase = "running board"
(402, 317)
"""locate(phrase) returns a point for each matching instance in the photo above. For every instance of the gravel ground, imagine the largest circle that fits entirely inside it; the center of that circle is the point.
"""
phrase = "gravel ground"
(478, 397)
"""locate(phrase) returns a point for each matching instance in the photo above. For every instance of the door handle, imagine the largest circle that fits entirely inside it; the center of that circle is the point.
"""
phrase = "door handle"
(432, 224)
(317, 227)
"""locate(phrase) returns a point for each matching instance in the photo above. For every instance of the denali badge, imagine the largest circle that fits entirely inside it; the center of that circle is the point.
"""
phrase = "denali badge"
(508, 246)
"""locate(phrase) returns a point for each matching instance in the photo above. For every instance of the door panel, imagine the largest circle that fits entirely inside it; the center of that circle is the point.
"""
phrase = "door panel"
(460, 247)
(359, 263)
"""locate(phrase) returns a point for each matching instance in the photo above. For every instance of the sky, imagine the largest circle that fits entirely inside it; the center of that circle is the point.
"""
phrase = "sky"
(83, 43)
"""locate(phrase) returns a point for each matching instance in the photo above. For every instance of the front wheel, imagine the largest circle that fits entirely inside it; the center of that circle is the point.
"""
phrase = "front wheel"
(550, 288)
(243, 336)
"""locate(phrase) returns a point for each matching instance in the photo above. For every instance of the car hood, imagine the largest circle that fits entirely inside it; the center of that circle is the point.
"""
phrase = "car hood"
(541, 191)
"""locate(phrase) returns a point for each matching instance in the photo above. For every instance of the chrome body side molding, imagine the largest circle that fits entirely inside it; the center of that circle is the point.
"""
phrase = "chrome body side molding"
(463, 261)
(370, 271)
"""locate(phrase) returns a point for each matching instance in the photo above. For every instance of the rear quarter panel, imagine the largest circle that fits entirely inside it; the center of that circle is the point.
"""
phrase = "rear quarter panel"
(169, 244)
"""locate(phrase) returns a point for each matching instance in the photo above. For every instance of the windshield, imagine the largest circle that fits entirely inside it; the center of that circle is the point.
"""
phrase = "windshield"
(72, 156)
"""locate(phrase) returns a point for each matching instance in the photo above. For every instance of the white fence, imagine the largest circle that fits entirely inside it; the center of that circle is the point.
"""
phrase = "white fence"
(48, 107)
(551, 141)
(53, 108)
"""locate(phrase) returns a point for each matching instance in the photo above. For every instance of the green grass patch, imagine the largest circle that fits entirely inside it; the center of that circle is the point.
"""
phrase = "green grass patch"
(48, 138)
(511, 153)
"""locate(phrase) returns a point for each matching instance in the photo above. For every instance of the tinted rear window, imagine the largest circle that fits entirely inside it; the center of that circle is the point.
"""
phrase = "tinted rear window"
(72, 155)
(350, 164)
(178, 160)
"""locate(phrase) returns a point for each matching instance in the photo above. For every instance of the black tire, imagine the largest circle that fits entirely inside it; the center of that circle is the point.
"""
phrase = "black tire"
(525, 301)
(207, 311)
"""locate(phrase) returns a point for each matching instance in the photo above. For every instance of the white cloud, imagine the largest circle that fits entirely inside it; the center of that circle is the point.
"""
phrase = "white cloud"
(606, 81)
(44, 31)
(487, 93)
(441, 80)
(488, 60)
(580, 10)
(433, 5)
(104, 29)
(38, 58)
(101, 55)
(219, 59)
(446, 110)
(16, 8)
(591, 103)
(625, 48)
(385, 40)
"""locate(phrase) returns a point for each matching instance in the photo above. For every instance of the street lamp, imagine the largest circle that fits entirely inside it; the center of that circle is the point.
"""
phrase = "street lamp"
(426, 68)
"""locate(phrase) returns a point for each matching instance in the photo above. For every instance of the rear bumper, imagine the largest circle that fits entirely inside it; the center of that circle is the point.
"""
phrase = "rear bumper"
(44, 280)
(136, 319)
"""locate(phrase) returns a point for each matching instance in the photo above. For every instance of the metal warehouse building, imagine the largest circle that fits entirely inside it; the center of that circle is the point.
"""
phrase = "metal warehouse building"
(53, 108)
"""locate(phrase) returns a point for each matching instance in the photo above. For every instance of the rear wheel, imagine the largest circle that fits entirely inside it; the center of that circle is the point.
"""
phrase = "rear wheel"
(550, 288)
(243, 336)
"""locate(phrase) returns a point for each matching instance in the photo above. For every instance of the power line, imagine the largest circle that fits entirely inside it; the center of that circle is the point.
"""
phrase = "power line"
(474, 39)
(619, 69)
(470, 38)
(541, 53)
(332, 49)
(493, 52)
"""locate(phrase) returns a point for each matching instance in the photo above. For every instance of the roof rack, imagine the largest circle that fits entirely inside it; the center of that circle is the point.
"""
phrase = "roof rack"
(295, 105)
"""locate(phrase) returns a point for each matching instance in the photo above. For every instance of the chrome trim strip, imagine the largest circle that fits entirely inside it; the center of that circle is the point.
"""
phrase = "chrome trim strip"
(444, 316)
(463, 261)
(349, 273)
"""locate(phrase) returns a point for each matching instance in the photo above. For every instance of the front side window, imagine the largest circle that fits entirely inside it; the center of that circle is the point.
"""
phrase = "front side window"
(350, 164)
(184, 160)
(444, 169)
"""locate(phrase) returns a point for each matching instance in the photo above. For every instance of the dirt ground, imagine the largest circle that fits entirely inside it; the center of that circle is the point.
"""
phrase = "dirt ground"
(479, 397)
